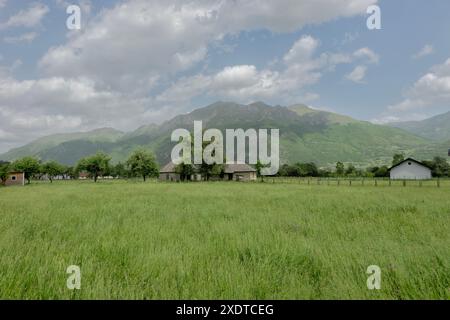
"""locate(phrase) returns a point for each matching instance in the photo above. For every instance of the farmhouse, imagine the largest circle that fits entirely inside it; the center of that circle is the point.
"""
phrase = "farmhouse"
(15, 179)
(410, 169)
(240, 172)
(232, 172)
(168, 173)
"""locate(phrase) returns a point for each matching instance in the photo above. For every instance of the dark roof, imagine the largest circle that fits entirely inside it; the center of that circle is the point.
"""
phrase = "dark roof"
(239, 167)
(168, 168)
(410, 160)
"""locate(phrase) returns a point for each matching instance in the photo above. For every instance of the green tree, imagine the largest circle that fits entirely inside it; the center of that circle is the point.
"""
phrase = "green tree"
(143, 163)
(309, 169)
(440, 167)
(52, 169)
(120, 170)
(340, 168)
(382, 172)
(96, 165)
(4, 172)
(351, 170)
(259, 167)
(399, 157)
(70, 172)
(28, 165)
(185, 171)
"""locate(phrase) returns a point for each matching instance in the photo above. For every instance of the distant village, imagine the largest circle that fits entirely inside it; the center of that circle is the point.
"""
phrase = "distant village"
(142, 164)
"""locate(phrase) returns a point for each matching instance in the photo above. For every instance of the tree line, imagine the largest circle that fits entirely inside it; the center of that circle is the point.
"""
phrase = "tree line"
(439, 167)
(141, 163)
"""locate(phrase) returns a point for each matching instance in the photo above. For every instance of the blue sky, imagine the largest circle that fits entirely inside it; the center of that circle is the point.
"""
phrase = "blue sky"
(137, 62)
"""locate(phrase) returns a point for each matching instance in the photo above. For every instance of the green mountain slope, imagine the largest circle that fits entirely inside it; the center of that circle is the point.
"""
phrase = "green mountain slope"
(306, 135)
(435, 128)
(56, 146)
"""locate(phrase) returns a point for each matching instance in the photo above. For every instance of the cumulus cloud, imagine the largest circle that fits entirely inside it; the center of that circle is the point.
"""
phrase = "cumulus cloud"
(425, 51)
(358, 74)
(3, 3)
(32, 108)
(30, 17)
(25, 37)
(432, 90)
(173, 36)
(301, 67)
(368, 54)
(137, 57)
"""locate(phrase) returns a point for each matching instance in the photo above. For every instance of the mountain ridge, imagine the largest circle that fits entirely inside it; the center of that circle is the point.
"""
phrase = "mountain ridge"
(435, 128)
(307, 135)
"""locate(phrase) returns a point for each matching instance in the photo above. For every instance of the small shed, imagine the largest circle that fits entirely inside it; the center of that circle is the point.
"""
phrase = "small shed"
(240, 172)
(168, 173)
(15, 179)
(410, 169)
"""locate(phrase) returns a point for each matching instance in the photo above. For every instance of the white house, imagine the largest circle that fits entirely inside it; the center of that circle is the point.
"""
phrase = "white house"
(410, 169)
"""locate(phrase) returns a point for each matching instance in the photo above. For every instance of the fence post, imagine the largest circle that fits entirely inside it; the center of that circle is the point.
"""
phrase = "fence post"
(376, 182)
(390, 182)
(339, 182)
(438, 183)
(350, 182)
(420, 183)
(404, 183)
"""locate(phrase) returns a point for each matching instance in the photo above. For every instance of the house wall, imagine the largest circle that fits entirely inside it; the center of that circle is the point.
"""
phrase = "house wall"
(410, 171)
(244, 176)
(169, 177)
(15, 179)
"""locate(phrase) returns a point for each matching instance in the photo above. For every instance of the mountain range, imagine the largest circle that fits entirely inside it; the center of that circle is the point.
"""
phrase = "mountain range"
(306, 135)
(435, 128)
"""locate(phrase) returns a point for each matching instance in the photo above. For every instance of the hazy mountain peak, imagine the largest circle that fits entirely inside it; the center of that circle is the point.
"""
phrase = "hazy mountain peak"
(329, 117)
(435, 128)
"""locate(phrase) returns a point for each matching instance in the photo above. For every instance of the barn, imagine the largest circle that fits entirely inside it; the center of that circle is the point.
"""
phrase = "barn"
(15, 179)
(168, 173)
(410, 169)
(235, 172)
(240, 172)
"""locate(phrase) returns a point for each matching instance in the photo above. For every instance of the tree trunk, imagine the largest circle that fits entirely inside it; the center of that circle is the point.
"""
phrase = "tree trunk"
(95, 178)
(144, 177)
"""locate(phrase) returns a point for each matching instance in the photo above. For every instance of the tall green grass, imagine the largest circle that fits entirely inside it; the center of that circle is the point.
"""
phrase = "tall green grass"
(223, 241)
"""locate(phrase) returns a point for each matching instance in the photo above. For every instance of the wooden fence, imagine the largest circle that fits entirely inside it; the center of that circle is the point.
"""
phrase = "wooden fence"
(359, 182)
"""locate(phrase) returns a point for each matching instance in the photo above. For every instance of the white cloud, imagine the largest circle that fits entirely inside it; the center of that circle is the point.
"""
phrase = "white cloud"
(367, 53)
(3, 3)
(118, 69)
(358, 74)
(425, 51)
(25, 37)
(30, 17)
(399, 118)
(432, 90)
(302, 50)
(173, 36)
(301, 67)
(32, 108)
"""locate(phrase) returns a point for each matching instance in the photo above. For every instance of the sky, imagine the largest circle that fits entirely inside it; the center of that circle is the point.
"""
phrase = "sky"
(136, 62)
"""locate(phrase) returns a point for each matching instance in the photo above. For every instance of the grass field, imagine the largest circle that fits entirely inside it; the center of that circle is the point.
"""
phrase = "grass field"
(224, 241)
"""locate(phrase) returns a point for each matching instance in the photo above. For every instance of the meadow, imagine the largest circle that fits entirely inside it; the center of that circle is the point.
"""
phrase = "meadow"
(217, 240)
